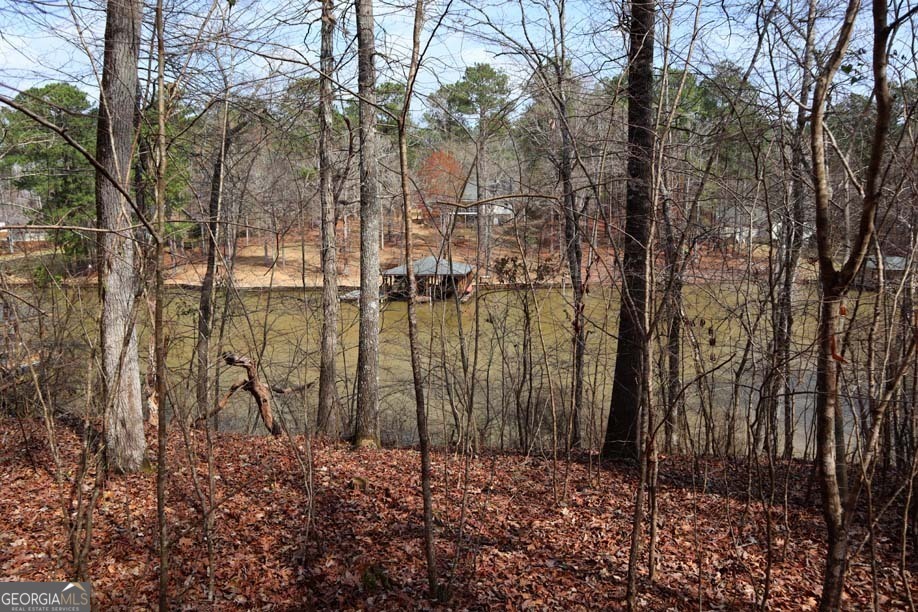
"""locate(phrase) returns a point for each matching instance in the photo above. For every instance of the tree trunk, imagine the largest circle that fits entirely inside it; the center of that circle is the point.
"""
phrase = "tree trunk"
(831, 470)
(367, 417)
(328, 393)
(430, 553)
(674, 395)
(625, 405)
(793, 240)
(835, 282)
(206, 301)
(162, 469)
(483, 217)
(674, 409)
(574, 256)
(122, 400)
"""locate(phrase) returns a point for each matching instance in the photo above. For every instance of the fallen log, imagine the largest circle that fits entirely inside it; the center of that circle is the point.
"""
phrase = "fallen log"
(253, 385)
(259, 391)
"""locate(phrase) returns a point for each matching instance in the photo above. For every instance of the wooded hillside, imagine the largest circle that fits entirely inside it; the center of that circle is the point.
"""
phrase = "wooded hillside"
(459, 304)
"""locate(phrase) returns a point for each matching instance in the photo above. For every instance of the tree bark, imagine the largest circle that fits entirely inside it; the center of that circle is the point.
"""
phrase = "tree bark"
(574, 256)
(417, 375)
(483, 218)
(625, 405)
(211, 240)
(328, 393)
(367, 417)
(830, 469)
(793, 241)
(259, 391)
(674, 394)
(121, 395)
(834, 283)
(162, 468)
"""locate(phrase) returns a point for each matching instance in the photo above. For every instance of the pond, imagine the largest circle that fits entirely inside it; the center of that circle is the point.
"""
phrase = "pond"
(517, 343)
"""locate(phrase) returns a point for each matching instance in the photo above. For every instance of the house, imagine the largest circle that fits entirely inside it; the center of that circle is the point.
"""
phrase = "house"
(16, 209)
(498, 211)
(739, 225)
(895, 269)
(447, 190)
(807, 231)
(437, 278)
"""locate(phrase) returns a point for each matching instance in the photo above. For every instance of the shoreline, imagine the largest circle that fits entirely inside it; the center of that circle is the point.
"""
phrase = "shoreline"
(489, 287)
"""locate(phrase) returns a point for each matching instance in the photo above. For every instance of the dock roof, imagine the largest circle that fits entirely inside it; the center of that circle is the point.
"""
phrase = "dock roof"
(432, 266)
(890, 263)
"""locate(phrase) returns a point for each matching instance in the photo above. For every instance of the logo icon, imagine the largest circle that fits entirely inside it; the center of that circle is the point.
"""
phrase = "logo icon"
(45, 596)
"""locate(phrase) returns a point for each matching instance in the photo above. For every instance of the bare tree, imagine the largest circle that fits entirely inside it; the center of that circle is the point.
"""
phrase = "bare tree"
(793, 227)
(367, 418)
(835, 281)
(122, 398)
(417, 375)
(212, 236)
(627, 396)
(328, 394)
(162, 472)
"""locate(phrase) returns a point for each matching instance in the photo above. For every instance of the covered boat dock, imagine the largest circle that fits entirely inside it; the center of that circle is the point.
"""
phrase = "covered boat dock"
(437, 278)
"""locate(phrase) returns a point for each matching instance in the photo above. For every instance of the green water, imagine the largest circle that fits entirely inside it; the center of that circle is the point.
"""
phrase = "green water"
(280, 328)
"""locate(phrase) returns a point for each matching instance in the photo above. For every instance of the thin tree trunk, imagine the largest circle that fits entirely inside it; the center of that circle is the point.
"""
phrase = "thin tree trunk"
(417, 375)
(835, 282)
(122, 399)
(830, 469)
(574, 264)
(162, 471)
(674, 395)
(206, 301)
(574, 255)
(793, 246)
(328, 393)
(483, 217)
(367, 418)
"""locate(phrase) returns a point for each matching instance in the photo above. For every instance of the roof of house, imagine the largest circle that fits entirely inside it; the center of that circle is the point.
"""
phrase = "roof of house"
(432, 266)
(890, 263)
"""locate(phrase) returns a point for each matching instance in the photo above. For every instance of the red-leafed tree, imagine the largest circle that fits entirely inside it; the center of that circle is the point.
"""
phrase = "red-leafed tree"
(441, 177)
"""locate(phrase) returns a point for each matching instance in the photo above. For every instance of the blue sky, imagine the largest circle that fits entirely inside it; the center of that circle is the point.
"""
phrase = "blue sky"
(59, 41)
(63, 45)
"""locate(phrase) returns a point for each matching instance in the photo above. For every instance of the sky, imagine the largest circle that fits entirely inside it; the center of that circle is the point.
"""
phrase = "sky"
(60, 44)
(59, 40)
(37, 47)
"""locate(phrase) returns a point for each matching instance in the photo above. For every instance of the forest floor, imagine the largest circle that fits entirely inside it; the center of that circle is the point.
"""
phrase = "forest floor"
(534, 534)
